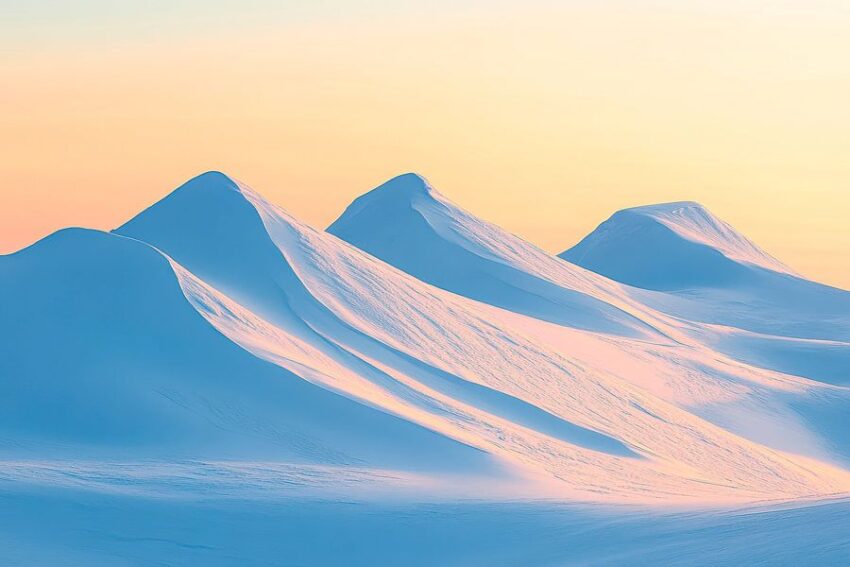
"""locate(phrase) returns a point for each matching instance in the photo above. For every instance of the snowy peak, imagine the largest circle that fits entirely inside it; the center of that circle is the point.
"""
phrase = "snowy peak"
(209, 181)
(201, 195)
(661, 208)
(207, 186)
(693, 221)
(212, 226)
(399, 193)
(409, 185)
(670, 246)
(283, 343)
(408, 224)
(212, 196)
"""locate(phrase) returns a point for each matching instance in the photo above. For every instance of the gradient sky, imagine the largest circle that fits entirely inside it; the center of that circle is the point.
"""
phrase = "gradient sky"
(544, 117)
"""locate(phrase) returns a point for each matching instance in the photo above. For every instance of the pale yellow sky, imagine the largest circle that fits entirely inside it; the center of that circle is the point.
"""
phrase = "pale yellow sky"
(544, 117)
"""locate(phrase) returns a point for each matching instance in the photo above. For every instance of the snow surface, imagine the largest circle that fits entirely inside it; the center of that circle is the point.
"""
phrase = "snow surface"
(108, 358)
(669, 246)
(408, 224)
(687, 263)
(122, 520)
(216, 382)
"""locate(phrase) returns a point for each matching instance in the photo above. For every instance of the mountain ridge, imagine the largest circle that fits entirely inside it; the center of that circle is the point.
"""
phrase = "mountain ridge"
(670, 246)
(683, 261)
(519, 403)
(426, 235)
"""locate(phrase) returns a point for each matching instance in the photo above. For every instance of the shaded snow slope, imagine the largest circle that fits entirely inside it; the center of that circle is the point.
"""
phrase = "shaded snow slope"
(105, 356)
(407, 223)
(216, 382)
(686, 263)
(130, 516)
(773, 320)
(670, 246)
(456, 364)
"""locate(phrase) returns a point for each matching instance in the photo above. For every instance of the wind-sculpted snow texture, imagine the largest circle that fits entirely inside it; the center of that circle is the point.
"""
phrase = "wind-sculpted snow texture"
(687, 263)
(416, 229)
(214, 351)
(670, 246)
(109, 358)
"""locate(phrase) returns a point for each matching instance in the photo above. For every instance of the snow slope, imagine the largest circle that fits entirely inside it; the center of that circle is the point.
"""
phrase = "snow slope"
(453, 363)
(217, 382)
(693, 266)
(122, 519)
(409, 224)
(109, 359)
(670, 246)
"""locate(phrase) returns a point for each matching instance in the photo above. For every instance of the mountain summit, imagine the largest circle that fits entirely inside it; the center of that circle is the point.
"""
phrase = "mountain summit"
(685, 262)
(410, 225)
(670, 246)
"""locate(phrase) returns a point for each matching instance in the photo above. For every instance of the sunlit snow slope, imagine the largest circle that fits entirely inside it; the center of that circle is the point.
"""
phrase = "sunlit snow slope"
(409, 224)
(455, 364)
(108, 358)
(217, 362)
(691, 265)
(670, 246)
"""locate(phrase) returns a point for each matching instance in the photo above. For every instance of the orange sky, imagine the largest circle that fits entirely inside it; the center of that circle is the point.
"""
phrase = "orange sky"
(544, 117)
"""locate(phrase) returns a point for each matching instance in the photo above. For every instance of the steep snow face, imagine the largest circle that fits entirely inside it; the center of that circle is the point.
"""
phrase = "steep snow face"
(408, 224)
(460, 367)
(103, 355)
(208, 226)
(670, 246)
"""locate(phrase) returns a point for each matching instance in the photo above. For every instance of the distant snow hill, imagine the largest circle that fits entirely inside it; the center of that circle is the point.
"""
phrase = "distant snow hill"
(689, 264)
(670, 246)
(215, 351)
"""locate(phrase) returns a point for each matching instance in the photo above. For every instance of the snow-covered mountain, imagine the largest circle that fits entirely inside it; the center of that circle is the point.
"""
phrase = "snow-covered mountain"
(421, 232)
(109, 358)
(670, 246)
(685, 262)
(216, 347)
(432, 356)
(409, 224)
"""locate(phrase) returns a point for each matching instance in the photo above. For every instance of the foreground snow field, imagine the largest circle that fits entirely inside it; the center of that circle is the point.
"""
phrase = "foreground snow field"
(216, 382)
(214, 517)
